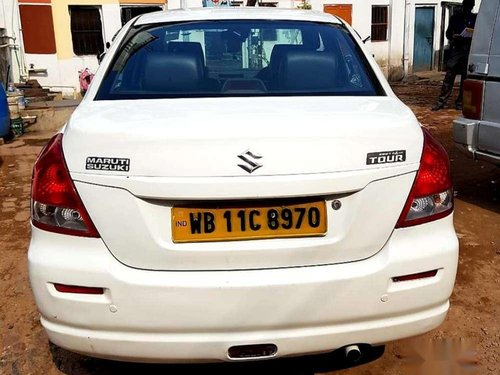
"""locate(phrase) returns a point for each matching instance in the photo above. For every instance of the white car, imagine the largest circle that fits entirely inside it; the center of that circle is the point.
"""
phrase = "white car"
(240, 184)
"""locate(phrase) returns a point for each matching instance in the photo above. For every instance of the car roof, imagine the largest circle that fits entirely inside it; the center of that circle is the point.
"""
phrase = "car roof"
(235, 13)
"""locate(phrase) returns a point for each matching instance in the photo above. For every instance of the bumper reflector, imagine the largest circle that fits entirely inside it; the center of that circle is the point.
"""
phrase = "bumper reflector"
(415, 276)
(78, 289)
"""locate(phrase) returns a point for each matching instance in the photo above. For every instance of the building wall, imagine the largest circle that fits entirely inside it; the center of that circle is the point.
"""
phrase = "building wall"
(67, 63)
(63, 66)
(9, 16)
(394, 55)
(110, 9)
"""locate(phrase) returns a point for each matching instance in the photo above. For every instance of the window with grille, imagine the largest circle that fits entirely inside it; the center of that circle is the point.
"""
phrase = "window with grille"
(86, 30)
(129, 12)
(379, 23)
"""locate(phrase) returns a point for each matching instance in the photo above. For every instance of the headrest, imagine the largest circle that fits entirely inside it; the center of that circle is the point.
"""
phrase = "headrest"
(188, 47)
(174, 72)
(279, 50)
(307, 70)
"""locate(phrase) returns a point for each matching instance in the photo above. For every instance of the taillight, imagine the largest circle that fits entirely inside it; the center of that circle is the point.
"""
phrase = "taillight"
(55, 204)
(431, 196)
(473, 99)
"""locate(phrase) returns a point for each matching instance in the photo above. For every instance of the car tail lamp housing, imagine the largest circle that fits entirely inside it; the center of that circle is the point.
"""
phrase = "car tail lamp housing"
(431, 196)
(473, 99)
(55, 203)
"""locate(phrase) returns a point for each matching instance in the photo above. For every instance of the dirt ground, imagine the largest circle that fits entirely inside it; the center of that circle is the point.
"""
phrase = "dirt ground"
(475, 304)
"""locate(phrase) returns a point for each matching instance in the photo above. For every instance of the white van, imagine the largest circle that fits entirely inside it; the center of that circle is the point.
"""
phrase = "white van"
(478, 131)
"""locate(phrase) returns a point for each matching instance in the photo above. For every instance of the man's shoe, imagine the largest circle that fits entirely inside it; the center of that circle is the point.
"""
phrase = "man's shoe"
(458, 106)
(437, 107)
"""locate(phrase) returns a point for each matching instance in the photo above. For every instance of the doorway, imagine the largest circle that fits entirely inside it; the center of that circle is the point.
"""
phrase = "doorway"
(423, 43)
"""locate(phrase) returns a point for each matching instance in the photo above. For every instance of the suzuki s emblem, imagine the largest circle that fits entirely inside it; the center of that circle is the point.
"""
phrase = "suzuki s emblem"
(250, 158)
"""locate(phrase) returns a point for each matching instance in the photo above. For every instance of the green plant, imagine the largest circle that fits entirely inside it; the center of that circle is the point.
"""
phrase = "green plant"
(305, 4)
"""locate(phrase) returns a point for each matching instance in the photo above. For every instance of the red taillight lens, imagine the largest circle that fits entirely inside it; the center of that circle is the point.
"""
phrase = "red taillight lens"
(56, 206)
(431, 196)
(415, 276)
(473, 99)
(75, 289)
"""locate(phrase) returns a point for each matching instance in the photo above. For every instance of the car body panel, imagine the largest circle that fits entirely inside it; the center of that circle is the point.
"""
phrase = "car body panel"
(203, 137)
(197, 14)
(164, 301)
(138, 231)
(196, 316)
(186, 151)
(488, 138)
(482, 38)
(484, 64)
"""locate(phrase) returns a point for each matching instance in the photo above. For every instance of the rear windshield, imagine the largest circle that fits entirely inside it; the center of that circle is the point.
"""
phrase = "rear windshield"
(238, 58)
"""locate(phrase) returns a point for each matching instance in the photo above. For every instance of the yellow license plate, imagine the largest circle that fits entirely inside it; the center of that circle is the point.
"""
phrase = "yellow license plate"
(237, 222)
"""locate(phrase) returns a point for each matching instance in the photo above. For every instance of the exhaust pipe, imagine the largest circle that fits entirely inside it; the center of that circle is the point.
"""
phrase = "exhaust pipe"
(352, 353)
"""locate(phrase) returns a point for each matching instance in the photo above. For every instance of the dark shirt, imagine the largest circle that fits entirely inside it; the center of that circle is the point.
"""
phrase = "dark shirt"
(458, 22)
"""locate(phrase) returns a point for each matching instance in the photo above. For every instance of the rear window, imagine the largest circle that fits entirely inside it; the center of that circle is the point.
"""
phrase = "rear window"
(238, 58)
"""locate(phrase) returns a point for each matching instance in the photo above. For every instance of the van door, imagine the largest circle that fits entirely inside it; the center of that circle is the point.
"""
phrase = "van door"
(484, 61)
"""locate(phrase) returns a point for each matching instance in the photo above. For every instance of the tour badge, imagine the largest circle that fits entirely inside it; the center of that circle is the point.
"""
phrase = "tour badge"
(385, 157)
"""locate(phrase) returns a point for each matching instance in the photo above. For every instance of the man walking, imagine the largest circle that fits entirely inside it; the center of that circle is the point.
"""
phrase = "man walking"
(459, 33)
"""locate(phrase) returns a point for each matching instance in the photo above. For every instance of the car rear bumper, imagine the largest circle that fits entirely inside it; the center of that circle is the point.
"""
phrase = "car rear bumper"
(161, 316)
(212, 347)
(465, 135)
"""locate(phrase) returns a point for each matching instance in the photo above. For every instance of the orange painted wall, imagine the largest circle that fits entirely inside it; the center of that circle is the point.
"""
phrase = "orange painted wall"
(38, 28)
(34, 1)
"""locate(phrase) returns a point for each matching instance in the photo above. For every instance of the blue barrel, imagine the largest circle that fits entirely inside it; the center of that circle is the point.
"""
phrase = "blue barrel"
(4, 113)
